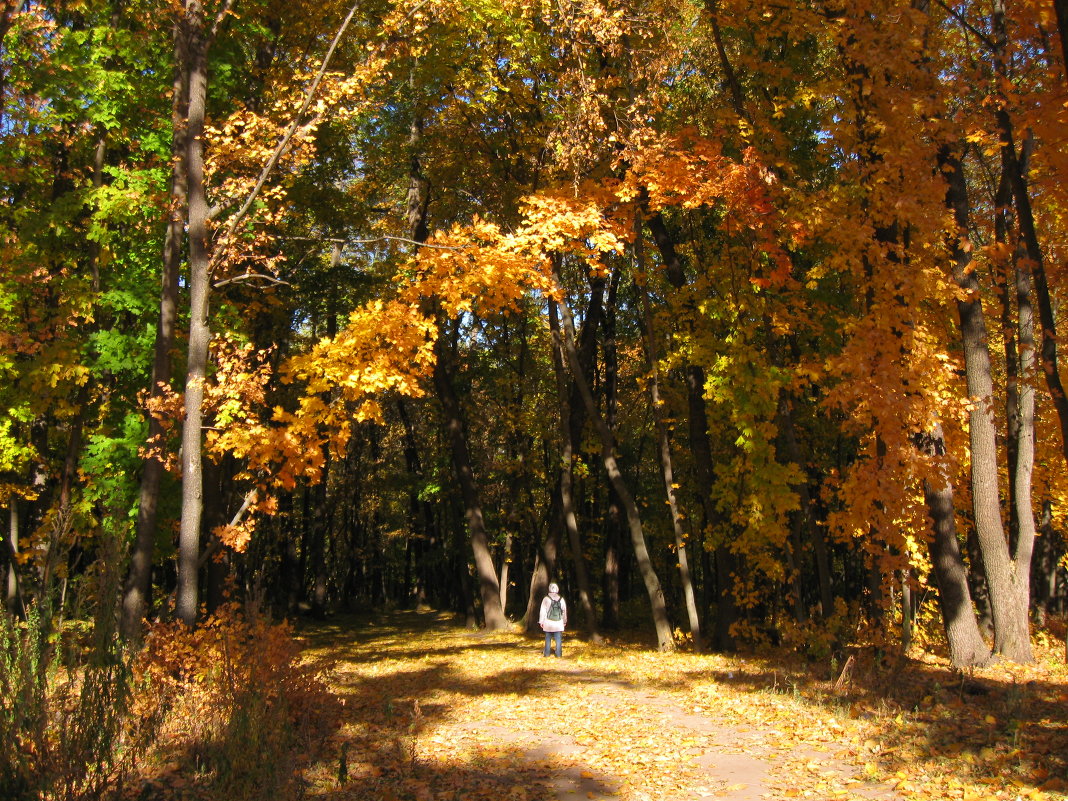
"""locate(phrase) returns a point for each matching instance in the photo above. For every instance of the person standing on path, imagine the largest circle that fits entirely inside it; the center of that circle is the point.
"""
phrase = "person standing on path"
(553, 620)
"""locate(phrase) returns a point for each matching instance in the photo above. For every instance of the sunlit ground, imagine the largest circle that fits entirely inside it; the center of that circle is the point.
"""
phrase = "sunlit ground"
(435, 711)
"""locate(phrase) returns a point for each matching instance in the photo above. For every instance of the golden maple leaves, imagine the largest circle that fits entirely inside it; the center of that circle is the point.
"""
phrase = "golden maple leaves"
(432, 712)
(388, 344)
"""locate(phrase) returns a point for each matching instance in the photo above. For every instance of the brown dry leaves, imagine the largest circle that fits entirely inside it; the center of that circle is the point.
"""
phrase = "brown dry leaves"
(436, 712)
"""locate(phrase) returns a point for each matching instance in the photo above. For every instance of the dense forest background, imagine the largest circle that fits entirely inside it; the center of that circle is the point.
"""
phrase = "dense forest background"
(738, 320)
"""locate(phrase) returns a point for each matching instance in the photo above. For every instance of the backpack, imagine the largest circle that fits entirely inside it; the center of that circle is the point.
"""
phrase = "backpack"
(556, 610)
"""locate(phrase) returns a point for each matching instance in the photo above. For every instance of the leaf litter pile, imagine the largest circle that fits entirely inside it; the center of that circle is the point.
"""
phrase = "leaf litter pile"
(430, 711)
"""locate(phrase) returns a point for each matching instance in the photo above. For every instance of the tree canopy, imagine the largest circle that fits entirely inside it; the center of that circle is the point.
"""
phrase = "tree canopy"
(733, 319)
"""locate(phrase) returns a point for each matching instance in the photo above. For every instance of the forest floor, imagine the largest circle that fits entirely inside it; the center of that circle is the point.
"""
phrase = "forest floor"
(430, 711)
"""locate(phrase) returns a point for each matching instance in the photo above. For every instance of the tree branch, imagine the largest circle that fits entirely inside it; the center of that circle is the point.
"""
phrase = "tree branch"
(272, 162)
(249, 277)
(217, 544)
(220, 17)
(384, 238)
(978, 34)
(403, 239)
(219, 208)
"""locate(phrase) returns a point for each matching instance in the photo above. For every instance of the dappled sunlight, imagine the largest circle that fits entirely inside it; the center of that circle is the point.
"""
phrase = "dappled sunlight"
(433, 710)
(492, 773)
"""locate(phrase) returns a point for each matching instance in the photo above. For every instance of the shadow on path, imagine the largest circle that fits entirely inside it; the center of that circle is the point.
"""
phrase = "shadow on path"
(457, 714)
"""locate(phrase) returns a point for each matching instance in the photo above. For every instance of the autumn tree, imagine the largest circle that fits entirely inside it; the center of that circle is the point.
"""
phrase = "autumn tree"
(724, 317)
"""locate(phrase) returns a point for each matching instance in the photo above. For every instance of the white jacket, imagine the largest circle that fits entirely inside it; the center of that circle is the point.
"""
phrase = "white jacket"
(552, 625)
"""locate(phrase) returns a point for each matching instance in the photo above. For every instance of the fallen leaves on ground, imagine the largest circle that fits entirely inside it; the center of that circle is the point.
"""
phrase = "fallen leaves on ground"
(434, 712)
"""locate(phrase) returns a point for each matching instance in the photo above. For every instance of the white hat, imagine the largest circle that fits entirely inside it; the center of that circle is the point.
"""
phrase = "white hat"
(553, 589)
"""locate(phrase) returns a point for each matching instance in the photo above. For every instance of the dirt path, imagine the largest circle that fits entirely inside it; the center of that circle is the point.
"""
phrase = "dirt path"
(686, 755)
(432, 712)
(762, 761)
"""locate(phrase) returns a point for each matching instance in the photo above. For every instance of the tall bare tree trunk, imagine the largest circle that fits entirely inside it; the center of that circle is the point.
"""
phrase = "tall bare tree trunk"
(418, 228)
(966, 645)
(489, 588)
(664, 637)
(136, 596)
(566, 478)
(420, 516)
(506, 561)
(1008, 581)
(700, 448)
(197, 39)
(664, 451)
(199, 331)
(800, 520)
(11, 591)
(544, 567)
(1022, 547)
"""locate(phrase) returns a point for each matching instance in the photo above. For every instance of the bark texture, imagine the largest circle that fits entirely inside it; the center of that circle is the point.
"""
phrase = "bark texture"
(187, 599)
(1008, 581)
(701, 450)
(664, 638)
(136, 595)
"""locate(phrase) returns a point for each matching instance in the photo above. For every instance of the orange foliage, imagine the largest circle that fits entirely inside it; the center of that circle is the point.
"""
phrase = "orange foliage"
(387, 345)
(232, 695)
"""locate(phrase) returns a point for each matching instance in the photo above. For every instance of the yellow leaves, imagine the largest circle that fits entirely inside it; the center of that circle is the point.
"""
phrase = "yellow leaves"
(235, 537)
(684, 169)
(479, 265)
(386, 346)
(564, 220)
(475, 265)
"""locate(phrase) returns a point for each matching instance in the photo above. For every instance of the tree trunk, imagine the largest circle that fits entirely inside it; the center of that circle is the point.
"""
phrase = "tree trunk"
(462, 595)
(574, 411)
(418, 205)
(1022, 548)
(611, 577)
(199, 330)
(1061, 9)
(966, 645)
(12, 600)
(506, 559)
(667, 474)
(1002, 272)
(1049, 547)
(1003, 575)
(823, 571)
(566, 478)
(664, 449)
(802, 519)
(544, 568)
(321, 526)
(906, 610)
(701, 449)
(136, 596)
(289, 569)
(419, 518)
(1018, 644)
(74, 448)
(69, 475)
(461, 458)
(521, 479)
(652, 584)
(324, 506)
